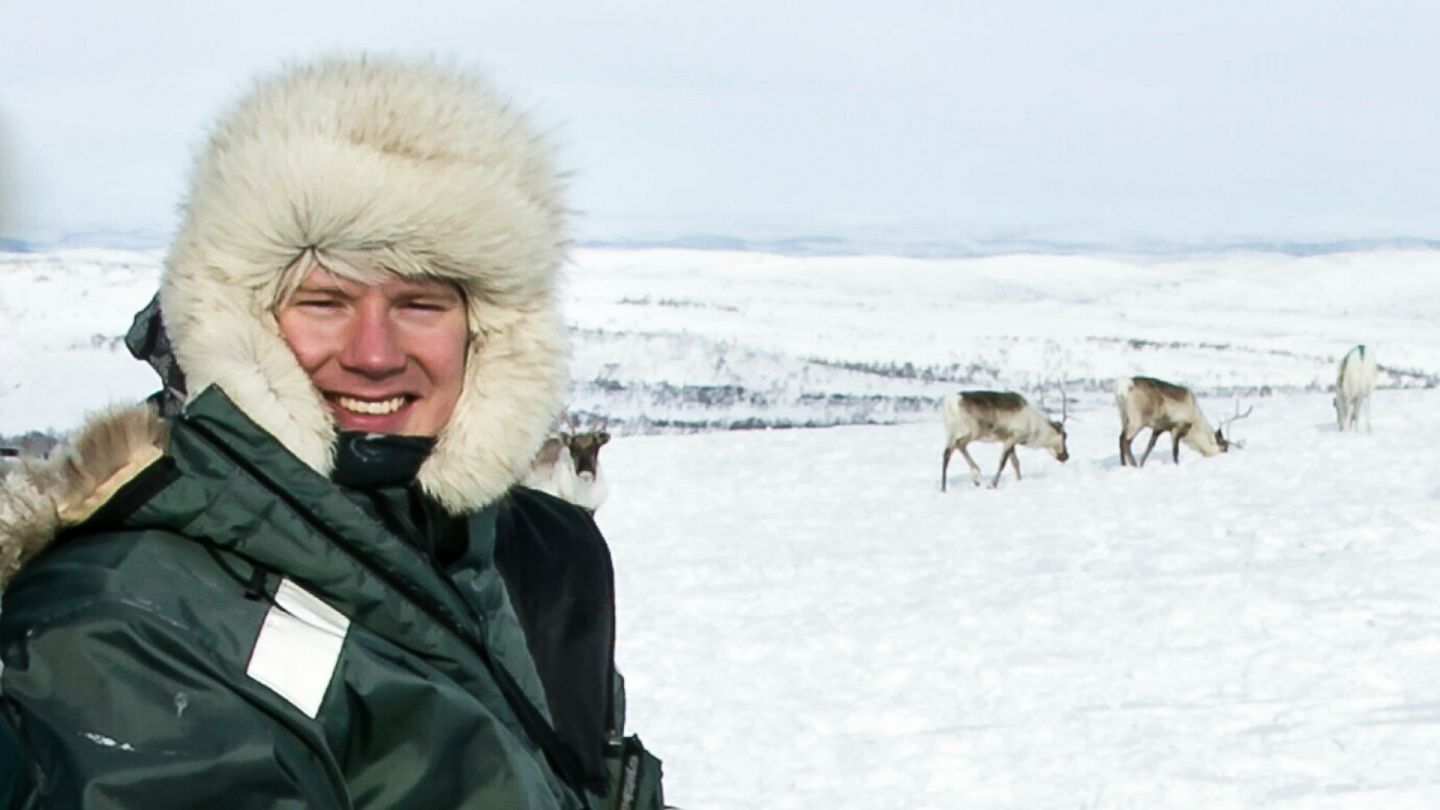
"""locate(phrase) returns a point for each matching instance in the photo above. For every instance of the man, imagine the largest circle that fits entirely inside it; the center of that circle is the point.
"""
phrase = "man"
(316, 585)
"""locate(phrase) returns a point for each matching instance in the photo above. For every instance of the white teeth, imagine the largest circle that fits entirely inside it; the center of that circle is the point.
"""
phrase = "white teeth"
(373, 408)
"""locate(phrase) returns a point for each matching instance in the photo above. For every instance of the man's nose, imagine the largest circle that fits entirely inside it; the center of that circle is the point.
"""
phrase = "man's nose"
(372, 344)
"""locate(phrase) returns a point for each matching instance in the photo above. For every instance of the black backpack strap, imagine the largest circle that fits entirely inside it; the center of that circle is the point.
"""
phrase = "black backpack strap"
(558, 572)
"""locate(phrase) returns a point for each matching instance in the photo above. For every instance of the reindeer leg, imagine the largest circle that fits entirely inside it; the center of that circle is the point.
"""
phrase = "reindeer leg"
(974, 468)
(1015, 462)
(945, 464)
(1005, 456)
(1177, 435)
(1127, 453)
(1154, 437)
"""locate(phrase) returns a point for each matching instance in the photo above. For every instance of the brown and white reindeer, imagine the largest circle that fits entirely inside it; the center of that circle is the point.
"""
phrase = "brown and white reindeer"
(568, 466)
(1353, 387)
(1146, 402)
(998, 416)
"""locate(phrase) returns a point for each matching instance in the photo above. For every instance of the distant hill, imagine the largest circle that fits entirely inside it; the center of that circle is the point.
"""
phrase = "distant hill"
(834, 245)
(877, 243)
(100, 238)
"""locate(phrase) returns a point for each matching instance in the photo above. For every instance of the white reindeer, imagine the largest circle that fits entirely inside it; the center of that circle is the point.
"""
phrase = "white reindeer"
(568, 467)
(1146, 402)
(997, 416)
(1353, 387)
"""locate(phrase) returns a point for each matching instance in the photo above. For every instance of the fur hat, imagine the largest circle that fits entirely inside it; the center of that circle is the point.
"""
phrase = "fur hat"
(410, 167)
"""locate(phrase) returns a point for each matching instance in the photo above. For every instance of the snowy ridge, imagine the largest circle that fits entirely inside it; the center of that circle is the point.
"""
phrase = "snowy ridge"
(719, 339)
(683, 340)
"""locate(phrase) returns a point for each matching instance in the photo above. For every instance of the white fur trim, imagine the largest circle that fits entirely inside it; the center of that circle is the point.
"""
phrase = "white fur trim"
(39, 497)
(412, 167)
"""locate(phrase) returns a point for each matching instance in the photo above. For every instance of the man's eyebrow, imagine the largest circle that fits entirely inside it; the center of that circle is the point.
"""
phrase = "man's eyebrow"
(322, 288)
(441, 292)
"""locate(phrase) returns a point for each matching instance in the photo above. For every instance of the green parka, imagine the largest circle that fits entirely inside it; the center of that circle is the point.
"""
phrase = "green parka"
(229, 629)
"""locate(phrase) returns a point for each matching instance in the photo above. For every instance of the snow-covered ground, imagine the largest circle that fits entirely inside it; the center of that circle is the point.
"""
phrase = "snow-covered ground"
(806, 621)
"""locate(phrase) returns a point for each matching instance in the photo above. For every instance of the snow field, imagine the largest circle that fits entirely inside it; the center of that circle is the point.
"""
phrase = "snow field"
(806, 621)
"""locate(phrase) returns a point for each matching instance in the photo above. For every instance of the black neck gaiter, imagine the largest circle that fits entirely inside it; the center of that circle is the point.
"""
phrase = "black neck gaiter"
(372, 460)
(378, 471)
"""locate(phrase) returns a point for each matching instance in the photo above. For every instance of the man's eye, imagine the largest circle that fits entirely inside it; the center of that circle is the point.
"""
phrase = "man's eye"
(318, 303)
(428, 306)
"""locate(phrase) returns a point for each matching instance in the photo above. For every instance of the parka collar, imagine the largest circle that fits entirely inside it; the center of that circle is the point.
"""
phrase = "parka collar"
(227, 483)
(239, 489)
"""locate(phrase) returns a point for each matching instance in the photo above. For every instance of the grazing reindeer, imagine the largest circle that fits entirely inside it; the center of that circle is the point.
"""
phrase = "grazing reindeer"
(996, 416)
(1146, 402)
(568, 467)
(1353, 387)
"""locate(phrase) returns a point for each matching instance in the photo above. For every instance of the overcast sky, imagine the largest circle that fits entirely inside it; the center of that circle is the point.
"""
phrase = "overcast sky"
(1093, 121)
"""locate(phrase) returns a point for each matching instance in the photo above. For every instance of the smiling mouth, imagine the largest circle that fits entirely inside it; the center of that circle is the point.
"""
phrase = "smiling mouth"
(371, 407)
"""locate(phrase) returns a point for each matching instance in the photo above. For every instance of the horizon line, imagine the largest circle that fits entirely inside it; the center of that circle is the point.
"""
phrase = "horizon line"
(821, 244)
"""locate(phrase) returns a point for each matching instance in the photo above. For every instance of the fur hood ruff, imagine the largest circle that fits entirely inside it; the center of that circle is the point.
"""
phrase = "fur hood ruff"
(411, 167)
(40, 497)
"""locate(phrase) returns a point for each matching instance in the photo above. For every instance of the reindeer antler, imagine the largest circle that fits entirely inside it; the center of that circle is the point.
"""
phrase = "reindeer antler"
(1064, 402)
(1227, 422)
(1237, 416)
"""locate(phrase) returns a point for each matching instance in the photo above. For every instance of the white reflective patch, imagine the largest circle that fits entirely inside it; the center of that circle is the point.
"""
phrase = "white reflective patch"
(298, 647)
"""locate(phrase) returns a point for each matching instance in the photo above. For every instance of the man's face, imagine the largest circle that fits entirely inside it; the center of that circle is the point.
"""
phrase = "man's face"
(388, 358)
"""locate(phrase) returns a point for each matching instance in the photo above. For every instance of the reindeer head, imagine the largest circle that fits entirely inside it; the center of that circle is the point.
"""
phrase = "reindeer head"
(1220, 440)
(585, 451)
(1062, 452)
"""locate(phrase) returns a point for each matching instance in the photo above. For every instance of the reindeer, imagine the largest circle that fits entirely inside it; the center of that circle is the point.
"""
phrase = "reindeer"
(1146, 402)
(568, 466)
(1353, 387)
(998, 416)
